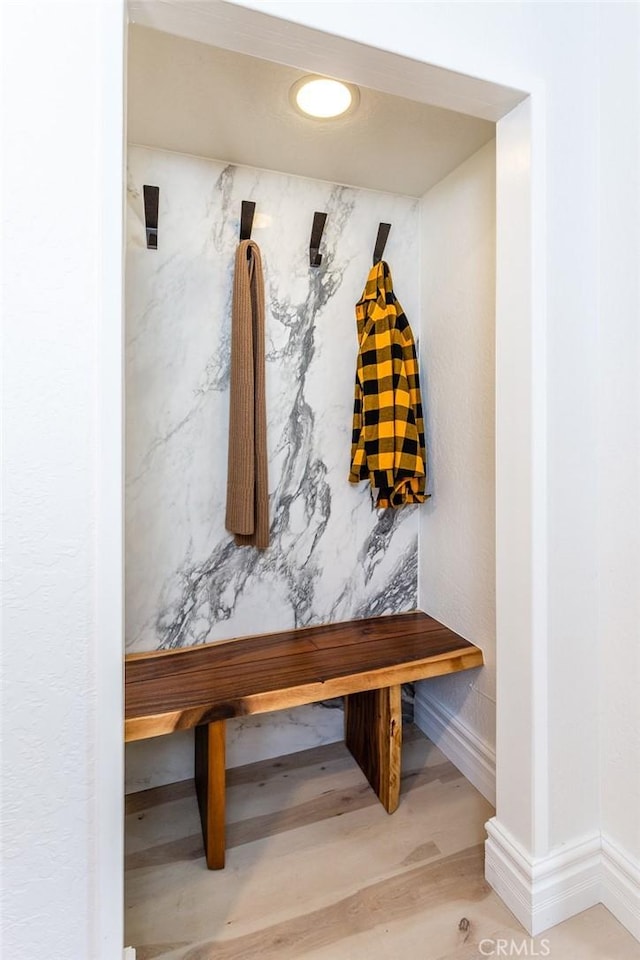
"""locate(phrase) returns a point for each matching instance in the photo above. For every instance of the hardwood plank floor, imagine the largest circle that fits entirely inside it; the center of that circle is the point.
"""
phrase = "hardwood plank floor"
(317, 869)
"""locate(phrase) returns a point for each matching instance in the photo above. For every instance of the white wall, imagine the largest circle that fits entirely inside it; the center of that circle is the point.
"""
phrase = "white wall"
(618, 384)
(457, 526)
(62, 634)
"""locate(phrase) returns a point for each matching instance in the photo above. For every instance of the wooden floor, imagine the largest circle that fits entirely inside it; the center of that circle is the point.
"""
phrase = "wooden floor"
(317, 869)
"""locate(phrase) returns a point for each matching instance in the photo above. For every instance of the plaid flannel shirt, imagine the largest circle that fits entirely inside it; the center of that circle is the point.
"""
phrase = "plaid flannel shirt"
(388, 431)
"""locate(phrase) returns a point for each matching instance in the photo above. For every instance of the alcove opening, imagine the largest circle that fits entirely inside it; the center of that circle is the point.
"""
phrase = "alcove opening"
(211, 128)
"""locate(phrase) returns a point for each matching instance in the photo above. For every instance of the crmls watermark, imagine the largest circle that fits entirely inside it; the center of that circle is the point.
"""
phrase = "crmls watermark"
(514, 948)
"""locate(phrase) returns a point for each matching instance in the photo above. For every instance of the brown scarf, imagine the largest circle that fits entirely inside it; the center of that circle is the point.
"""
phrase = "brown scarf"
(247, 484)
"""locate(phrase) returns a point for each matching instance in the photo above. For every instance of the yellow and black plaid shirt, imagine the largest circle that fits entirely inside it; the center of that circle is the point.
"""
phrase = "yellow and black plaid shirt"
(388, 429)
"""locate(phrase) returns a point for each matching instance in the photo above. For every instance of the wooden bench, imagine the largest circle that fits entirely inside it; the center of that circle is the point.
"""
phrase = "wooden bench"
(365, 661)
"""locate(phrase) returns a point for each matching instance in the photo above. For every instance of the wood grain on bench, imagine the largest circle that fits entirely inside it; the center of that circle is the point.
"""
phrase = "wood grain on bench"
(175, 690)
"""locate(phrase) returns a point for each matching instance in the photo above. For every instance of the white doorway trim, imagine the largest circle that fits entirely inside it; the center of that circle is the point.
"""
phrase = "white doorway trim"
(107, 738)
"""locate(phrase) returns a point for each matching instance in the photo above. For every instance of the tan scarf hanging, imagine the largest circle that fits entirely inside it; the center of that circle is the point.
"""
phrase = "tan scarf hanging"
(247, 483)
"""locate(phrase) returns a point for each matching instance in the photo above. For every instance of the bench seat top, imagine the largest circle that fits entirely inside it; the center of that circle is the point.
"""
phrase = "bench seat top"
(178, 689)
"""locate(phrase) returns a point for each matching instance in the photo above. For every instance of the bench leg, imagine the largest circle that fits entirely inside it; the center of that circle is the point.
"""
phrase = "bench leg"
(373, 734)
(210, 788)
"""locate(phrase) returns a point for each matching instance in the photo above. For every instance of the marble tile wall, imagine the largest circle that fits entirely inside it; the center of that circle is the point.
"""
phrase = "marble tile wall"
(332, 556)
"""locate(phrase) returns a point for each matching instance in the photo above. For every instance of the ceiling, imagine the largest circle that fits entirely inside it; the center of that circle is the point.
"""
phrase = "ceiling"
(199, 99)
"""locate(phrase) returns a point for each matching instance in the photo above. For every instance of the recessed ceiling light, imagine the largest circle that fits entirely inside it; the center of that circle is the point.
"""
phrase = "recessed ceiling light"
(323, 98)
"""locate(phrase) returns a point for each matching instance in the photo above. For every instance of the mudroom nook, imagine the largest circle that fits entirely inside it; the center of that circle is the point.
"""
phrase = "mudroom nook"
(336, 600)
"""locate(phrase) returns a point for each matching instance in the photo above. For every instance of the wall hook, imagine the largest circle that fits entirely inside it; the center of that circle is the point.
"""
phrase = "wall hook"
(315, 257)
(381, 242)
(246, 219)
(151, 203)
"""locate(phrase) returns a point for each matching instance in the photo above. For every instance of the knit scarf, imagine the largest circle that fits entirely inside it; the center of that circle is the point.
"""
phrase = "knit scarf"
(247, 485)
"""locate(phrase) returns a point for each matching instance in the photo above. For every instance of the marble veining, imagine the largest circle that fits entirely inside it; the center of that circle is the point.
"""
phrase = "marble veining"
(331, 555)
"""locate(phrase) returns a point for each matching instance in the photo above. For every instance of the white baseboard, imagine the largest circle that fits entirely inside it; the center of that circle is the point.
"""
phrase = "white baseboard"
(472, 755)
(621, 886)
(545, 891)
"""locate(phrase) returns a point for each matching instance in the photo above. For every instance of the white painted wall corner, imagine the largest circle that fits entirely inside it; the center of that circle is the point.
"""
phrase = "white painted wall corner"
(543, 891)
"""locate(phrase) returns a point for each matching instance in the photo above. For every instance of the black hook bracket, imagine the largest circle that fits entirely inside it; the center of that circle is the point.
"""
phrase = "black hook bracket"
(151, 203)
(381, 242)
(246, 219)
(315, 257)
